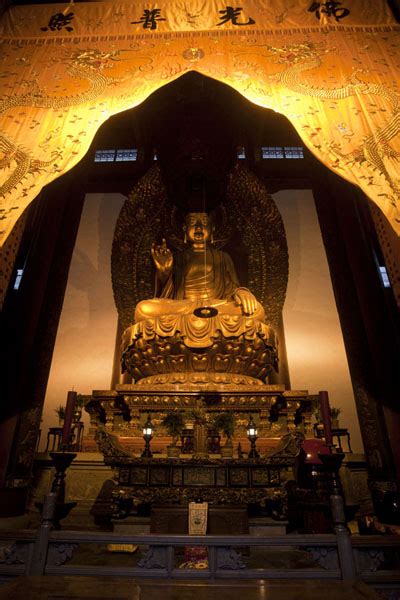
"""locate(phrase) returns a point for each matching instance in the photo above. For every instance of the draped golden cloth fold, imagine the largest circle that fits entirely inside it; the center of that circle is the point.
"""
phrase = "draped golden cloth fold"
(63, 76)
(196, 332)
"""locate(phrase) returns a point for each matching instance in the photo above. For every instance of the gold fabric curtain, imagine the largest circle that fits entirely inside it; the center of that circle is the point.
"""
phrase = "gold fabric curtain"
(334, 74)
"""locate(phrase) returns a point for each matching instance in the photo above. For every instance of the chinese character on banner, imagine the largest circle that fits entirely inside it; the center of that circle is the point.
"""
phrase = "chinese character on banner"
(330, 9)
(232, 14)
(59, 21)
(150, 18)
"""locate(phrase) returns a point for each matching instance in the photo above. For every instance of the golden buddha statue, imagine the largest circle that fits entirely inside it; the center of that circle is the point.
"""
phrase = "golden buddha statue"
(202, 276)
(201, 321)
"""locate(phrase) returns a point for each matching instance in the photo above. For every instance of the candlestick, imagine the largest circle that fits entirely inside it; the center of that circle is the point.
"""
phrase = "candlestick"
(69, 415)
(326, 417)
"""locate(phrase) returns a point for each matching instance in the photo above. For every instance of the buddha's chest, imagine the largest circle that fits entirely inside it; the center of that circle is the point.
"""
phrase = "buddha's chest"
(200, 266)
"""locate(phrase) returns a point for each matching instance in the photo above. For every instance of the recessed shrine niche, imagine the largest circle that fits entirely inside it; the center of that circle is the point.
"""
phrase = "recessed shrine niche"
(190, 337)
(194, 130)
(247, 226)
(197, 171)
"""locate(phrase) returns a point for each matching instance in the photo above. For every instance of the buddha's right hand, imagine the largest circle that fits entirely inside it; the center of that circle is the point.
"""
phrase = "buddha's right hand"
(163, 258)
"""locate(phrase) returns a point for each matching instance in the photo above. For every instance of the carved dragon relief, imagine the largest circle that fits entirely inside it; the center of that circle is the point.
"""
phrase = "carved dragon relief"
(376, 148)
(88, 65)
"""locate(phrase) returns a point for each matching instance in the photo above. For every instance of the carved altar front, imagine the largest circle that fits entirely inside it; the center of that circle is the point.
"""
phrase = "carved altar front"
(217, 481)
(124, 410)
(160, 480)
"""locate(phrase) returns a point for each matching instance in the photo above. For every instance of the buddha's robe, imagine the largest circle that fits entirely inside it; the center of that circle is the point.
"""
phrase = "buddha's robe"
(195, 281)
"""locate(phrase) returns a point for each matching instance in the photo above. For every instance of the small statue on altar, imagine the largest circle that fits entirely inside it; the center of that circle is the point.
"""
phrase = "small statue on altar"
(201, 276)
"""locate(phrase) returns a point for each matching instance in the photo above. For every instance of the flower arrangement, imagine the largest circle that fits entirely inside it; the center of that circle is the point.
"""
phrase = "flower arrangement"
(80, 401)
(60, 412)
(174, 423)
(225, 422)
(335, 412)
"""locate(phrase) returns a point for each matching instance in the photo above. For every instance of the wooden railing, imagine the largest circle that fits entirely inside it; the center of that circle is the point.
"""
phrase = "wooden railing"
(32, 553)
(338, 556)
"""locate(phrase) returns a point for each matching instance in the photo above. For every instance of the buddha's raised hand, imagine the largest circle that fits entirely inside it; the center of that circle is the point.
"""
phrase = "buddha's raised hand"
(163, 258)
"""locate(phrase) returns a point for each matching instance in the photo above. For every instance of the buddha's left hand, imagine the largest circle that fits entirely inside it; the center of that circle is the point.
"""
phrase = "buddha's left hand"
(246, 300)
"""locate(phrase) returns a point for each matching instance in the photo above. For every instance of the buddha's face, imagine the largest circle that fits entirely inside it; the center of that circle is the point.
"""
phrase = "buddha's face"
(198, 228)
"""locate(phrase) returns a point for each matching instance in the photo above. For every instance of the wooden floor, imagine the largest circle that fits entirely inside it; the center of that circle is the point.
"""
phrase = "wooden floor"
(88, 588)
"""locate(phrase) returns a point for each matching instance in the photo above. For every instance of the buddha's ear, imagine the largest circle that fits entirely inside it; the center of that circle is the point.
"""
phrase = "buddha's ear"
(185, 236)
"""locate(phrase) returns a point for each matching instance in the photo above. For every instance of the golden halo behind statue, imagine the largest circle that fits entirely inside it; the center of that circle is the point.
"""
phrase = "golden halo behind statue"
(249, 214)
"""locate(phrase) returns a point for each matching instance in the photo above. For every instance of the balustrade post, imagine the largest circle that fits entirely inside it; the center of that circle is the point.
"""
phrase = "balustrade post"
(53, 509)
(38, 562)
(332, 463)
(170, 560)
(212, 560)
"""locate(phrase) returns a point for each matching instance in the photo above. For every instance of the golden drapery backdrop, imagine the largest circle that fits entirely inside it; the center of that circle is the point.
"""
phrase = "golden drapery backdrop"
(332, 68)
